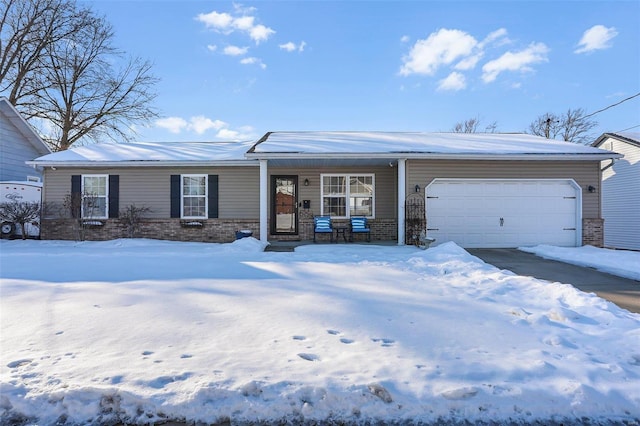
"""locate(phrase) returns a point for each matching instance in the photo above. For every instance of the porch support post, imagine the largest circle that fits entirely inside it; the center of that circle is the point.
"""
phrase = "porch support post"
(402, 185)
(264, 199)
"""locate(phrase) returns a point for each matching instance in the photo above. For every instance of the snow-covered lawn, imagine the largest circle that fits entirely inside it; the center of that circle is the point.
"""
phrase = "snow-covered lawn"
(616, 262)
(142, 331)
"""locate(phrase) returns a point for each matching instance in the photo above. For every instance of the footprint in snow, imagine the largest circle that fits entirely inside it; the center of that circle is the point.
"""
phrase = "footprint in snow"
(184, 356)
(19, 363)
(299, 338)
(147, 353)
(460, 393)
(333, 332)
(309, 357)
(385, 342)
(346, 341)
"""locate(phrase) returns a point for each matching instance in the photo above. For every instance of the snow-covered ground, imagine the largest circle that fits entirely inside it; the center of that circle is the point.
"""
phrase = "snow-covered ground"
(617, 262)
(141, 331)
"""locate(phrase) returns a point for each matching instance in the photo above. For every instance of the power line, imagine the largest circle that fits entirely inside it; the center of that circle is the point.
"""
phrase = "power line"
(611, 106)
(628, 128)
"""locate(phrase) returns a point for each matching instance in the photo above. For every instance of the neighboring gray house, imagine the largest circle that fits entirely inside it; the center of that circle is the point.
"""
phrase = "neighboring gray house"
(18, 143)
(478, 190)
(621, 190)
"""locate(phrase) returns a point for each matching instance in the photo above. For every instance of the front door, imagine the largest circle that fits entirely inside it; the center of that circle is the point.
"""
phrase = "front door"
(284, 208)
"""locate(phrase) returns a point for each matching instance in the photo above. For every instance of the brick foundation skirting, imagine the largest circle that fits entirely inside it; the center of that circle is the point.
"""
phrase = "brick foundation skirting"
(224, 230)
(593, 232)
(209, 230)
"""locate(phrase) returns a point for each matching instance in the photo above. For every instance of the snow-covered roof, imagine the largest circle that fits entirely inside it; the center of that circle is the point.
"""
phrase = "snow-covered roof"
(630, 137)
(151, 154)
(325, 145)
(419, 145)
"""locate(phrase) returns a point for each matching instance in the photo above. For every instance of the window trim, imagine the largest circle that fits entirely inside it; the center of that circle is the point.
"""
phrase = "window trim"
(347, 195)
(83, 194)
(205, 195)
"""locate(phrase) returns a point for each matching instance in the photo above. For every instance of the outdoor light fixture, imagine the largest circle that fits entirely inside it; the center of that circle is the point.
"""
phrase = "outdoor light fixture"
(306, 182)
(417, 188)
(591, 188)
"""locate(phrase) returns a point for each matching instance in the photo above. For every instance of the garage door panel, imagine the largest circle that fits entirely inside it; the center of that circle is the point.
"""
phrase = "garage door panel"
(469, 212)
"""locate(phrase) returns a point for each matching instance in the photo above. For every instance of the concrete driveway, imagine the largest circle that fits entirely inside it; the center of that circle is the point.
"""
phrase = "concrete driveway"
(621, 291)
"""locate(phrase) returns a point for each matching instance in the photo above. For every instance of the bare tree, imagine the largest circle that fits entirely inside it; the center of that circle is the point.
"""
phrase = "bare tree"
(471, 126)
(71, 77)
(21, 213)
(132, 217)
(546, 125)
(26, 29)
(572, 126)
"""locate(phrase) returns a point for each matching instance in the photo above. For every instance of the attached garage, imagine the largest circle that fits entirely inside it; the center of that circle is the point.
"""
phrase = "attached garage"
(502, 213)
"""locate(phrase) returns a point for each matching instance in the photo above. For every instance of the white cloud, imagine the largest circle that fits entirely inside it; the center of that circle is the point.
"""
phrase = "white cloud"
(440, 48)
(291, 46)
(469, 62)
(404, 39)
(253, 61)
(226, 23)
(212, 47)
(515, 61)
(242, 134)
(596, 38)
(172, 124)
(498, 36)
(454, 81)
(235, 50)
(219, 21)
(260, 33)
(201, 124)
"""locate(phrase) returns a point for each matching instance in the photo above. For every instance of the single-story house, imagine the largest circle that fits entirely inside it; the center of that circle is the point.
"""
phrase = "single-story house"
(478, 190)
(621, 190)
(18, 143)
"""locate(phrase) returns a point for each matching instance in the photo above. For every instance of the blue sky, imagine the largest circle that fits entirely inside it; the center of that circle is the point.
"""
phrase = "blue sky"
(234, 71)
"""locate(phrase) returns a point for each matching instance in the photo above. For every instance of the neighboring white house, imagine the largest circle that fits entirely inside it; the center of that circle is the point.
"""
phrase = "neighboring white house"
(621, 190)
(18, 143)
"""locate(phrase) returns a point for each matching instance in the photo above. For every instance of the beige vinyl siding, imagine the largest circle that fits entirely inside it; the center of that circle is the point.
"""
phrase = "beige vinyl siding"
(238, 188)
(621, 196)
(385, 185)
(585, 173)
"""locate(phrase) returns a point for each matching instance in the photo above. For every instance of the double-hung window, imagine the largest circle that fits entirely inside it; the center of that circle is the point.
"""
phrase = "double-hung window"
(194, 196)
(345, 195)
(95, 196)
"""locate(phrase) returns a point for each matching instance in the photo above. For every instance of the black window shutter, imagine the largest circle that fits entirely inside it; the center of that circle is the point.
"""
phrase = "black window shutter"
(76, 195)
(213, 196)
(114, 196)
(175, 195)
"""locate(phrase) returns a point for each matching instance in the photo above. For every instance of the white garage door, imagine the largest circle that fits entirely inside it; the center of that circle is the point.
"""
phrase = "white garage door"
(504, 213)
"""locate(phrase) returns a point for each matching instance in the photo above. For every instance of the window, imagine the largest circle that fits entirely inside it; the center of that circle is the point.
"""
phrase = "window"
(347, 195)
(194, 196)
(95, 196)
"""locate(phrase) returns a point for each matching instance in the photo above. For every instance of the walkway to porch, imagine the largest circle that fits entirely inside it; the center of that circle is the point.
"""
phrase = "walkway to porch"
(288, 246)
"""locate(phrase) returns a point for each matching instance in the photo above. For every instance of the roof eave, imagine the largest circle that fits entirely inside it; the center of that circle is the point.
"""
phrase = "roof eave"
(436, 156)
(144, 163)
(616, 136)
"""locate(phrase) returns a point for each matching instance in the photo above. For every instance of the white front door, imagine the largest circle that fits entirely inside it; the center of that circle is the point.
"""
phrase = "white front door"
(498, 213)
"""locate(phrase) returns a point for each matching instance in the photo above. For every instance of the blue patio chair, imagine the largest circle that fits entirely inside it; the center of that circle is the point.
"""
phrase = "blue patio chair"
(359, 225)
(322, 225)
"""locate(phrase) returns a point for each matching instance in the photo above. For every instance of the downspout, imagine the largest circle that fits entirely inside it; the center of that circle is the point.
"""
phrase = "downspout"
(402, 187)
(264, 195)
